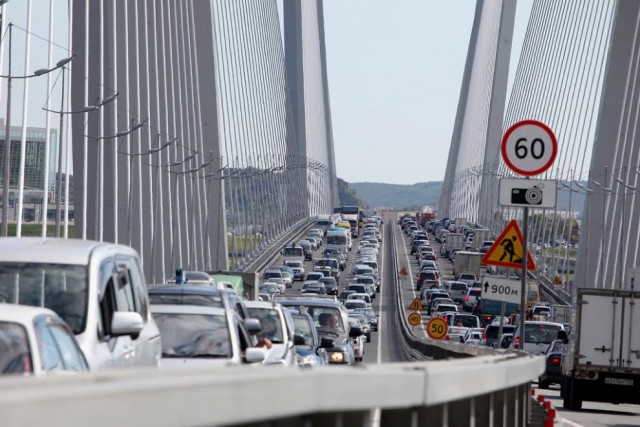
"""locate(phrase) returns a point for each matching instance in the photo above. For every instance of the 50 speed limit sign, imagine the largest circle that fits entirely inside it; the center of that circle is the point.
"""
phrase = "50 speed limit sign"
(529, 147)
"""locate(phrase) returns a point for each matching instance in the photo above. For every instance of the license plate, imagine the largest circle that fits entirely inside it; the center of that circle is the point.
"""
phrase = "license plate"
(619, 381)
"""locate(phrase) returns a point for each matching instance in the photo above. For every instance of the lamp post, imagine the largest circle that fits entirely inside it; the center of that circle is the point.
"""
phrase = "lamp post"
(7, 135)
(605, 191)
(570, 217)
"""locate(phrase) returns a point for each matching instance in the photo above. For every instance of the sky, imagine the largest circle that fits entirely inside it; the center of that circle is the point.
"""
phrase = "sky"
(395, 72)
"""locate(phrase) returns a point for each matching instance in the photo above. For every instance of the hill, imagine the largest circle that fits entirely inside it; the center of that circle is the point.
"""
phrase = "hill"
(398, 196)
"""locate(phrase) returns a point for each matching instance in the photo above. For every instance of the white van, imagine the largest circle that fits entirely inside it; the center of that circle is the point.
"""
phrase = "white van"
(96, 287)
(338, 238)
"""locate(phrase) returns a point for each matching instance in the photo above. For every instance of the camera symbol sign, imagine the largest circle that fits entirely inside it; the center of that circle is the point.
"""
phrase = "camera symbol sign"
(534, 193)
(529, 147)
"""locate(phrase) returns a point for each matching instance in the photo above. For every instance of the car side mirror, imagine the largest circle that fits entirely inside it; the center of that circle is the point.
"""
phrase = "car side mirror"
(126, 323)
(255, 354)
(252, 325)
(298, 340)
(326, 342)
(562, 336)
(355, 332)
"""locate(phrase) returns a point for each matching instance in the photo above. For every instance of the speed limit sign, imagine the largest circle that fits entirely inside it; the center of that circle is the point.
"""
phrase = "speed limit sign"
(529, 147)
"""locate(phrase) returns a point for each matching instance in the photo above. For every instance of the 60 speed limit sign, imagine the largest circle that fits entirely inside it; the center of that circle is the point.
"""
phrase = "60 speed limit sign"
(529, 147)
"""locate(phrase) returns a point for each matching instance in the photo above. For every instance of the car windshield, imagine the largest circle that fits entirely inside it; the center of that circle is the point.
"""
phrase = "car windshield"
(59, 287)
(194, 335)
(366, 311)
(314, 276)
(188, 299)
(15, 356)
(321, 315)
(270, 323)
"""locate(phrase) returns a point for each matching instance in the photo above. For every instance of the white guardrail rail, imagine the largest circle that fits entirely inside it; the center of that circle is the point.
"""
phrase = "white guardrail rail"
(480, 391)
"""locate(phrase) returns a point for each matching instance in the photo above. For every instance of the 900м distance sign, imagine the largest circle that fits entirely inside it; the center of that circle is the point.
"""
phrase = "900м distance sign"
(502, 290)
(529, 147)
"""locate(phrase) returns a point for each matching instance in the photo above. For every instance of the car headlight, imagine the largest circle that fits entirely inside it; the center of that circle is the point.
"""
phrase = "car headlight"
(336, 357)
(307, 361)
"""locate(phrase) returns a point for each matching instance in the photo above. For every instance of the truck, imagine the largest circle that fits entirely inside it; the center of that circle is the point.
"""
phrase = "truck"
(467, 262)
(601, 360)
(453, 242)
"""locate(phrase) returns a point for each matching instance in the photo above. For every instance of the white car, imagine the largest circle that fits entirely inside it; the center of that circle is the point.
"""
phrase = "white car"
(96, 287)
(276, 326)
(359, 341)
(35, 340)
(280, 282)
(362, 297)
(199, 336)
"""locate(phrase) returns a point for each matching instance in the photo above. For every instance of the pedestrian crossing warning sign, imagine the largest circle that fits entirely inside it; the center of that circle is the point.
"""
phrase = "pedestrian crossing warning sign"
(508, 249)
(416, 304)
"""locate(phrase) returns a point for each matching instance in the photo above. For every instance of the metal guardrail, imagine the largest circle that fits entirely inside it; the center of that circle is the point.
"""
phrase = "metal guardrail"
(483, 391)
(267, 257)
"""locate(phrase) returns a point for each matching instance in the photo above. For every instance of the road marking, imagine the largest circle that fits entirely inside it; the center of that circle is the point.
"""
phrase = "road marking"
(566, 422)
(413, 290)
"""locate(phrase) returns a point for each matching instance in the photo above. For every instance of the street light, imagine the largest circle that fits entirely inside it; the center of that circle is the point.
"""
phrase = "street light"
(588, 191)
(7, 134)
(605, 191)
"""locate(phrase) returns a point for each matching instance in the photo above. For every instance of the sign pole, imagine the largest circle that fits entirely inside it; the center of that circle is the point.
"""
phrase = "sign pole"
(523, 295)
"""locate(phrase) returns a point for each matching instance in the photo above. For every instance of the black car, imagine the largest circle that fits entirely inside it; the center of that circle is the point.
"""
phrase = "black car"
(330, 284)
(319, 309)
(553, 365)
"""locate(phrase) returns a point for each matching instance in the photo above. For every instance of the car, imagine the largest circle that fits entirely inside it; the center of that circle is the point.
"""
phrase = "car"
(465, 320)
(467, 278)
(337, 254)
(331, 320)
(310, 348)
(198, 295)
(269, 288)
(360, 296)
(276, 326)
(287, 277)
(428, 276)
(315, 288)
(308, 250)
(191, 277)
(345, 294)
(444, 308)
(457, 290)
(330, 284)
(364, 321)
(553, 365)
(36, 341)
(538, 335)
(456, 334)
(358, 341)
(280, 282)
(272, 273)
(371, 316)
(198, 336)
(435, 302)
(485, 246)
(97, 288)
(314, 276)
(437, 294)
(490, 334)
(351, 304)
(473, 336)
(297, 267)
(264, 296)
(471, 298)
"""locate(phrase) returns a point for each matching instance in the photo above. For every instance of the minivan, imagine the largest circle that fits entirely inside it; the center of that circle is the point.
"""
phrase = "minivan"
(96, 287)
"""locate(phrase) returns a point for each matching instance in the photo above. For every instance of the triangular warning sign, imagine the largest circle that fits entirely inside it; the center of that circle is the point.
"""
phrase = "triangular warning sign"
(557, 280)
(416, 304)
(508, 250)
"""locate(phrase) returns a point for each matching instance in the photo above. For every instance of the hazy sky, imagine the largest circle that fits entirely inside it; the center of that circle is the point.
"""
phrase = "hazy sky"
(395, 71)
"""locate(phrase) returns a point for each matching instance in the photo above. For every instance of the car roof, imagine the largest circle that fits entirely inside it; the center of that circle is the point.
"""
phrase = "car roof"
(311, 301)
(54, 251)
(23, 313)
(187, 309)
(185, 289)
(261, 304)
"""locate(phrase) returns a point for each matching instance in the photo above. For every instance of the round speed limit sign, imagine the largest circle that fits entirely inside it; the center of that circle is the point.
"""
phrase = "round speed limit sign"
(529, 147)
(437, 328)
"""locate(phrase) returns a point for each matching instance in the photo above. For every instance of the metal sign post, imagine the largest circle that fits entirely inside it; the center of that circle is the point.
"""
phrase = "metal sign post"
(523, 296)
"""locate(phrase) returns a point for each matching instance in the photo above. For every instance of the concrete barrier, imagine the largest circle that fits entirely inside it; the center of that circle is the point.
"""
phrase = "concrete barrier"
(482, 391)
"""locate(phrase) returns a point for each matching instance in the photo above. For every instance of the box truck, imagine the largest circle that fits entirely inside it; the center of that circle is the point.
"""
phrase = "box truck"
(467, 262)
(601, 362)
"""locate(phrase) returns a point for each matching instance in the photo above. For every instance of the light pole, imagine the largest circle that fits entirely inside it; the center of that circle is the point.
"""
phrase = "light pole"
(622, 224)
(570, 217)
(7, 134)
(605, 191)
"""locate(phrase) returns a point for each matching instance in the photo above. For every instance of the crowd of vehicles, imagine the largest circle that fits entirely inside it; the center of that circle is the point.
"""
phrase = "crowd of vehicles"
(75, 305)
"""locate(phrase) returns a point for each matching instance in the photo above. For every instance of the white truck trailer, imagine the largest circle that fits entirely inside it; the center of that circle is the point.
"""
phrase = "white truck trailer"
(602, 359)
(467, 262)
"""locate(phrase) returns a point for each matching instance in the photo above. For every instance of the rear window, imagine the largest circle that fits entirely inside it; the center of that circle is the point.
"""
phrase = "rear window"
(458, 287)
(466, 321)
(15, 357)
(357, 288)
(475, 292)
(541, 333)
(492, 330)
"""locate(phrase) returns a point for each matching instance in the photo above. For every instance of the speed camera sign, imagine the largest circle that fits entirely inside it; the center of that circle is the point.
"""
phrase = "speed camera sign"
(529, 147)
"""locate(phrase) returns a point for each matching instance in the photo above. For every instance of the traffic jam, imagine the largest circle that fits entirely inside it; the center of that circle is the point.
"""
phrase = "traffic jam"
(74, 305)
(460, 300)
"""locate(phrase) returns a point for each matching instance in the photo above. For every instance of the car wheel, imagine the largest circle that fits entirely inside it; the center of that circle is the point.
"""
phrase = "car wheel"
(369, 337)
(571, 398)
(543, 385)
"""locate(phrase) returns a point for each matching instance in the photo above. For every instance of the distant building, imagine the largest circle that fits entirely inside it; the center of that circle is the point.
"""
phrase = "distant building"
(34, 167)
